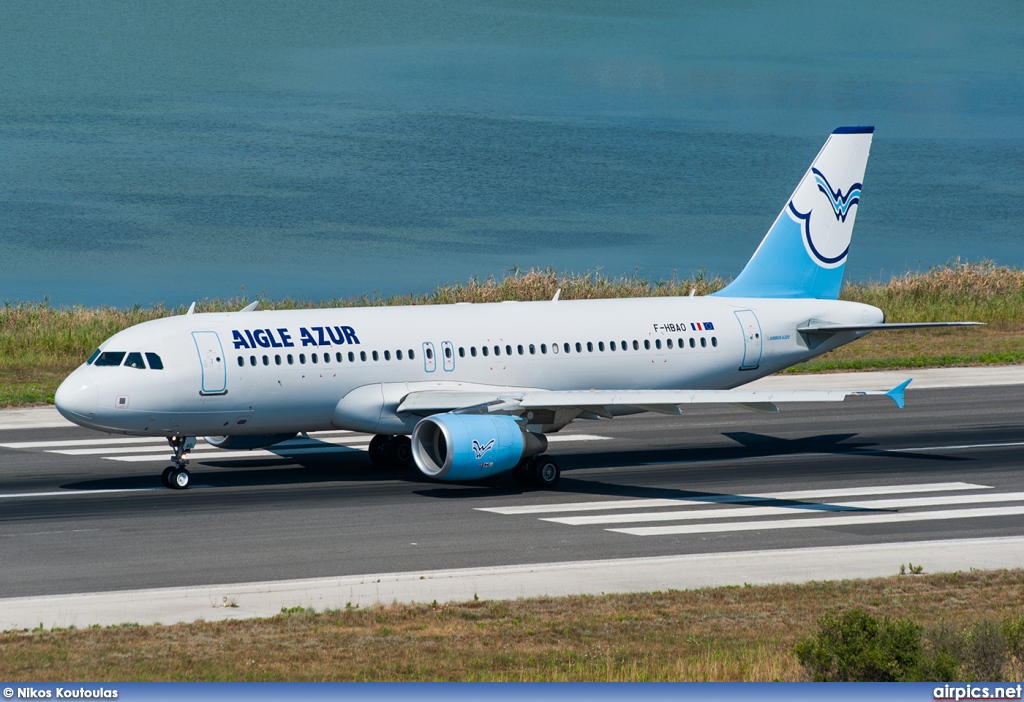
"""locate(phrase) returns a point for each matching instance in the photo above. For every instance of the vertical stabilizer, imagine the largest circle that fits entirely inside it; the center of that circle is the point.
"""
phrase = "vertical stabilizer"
(804, 252)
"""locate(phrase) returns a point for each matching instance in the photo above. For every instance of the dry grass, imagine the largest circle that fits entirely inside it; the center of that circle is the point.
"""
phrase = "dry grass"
(743, 633)
(40, 344)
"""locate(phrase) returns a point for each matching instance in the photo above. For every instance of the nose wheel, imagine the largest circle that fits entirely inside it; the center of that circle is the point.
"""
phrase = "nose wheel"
(176, 476)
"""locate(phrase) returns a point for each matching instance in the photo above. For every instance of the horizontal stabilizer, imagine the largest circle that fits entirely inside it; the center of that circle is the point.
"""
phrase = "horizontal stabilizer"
(824, 328)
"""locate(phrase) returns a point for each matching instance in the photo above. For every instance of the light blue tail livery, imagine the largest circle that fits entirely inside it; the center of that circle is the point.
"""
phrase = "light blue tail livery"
(804, 252)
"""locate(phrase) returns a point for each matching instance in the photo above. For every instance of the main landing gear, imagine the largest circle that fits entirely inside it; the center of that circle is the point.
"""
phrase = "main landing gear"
(537, 471)
(176, 476)
(391, 451)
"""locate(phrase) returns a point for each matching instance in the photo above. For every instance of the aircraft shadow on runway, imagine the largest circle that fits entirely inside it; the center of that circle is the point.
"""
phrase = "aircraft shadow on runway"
(353, 466)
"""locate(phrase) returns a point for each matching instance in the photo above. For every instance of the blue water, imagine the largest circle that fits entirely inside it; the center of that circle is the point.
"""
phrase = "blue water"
(320, 149)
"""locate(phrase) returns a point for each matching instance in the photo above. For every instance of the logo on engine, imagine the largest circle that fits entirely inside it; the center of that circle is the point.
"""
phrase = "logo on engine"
(480, 450)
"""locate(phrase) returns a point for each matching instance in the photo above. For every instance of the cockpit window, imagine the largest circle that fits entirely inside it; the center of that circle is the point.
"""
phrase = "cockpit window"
(154, 361)
(109, 358)
(93, 357)
(134, 360)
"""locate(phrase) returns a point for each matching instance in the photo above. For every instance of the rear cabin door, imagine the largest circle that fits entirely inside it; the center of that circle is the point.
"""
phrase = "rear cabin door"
(751, 339)
(211, 359)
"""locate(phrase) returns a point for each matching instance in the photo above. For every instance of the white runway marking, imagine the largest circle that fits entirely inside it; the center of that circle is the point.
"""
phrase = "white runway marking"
(78, 493)
(742, 512)
(824, 522)
(715, 499)
(719, 513)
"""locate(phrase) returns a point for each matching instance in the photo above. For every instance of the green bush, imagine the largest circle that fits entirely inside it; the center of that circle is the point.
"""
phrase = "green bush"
(856, 647)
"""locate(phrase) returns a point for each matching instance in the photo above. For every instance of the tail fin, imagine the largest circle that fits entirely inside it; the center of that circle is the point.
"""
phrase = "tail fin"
(804, 253)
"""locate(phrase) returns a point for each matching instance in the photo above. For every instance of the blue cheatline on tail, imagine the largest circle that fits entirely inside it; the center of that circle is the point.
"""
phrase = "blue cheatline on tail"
(804, 252)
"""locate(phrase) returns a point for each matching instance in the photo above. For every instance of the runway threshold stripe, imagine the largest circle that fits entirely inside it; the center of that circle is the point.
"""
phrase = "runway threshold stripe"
(741, 512)
(824, 522)
(826, 493)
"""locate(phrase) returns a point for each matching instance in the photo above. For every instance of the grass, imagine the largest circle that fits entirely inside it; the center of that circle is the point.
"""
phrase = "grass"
(731, 633)
(40, 344)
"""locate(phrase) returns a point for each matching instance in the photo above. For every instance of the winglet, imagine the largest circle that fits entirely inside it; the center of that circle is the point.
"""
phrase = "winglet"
(896, 394)
(250, 307)
(191, 308)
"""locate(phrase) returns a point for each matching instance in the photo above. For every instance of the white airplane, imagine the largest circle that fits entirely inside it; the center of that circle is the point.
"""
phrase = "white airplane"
(477, 386)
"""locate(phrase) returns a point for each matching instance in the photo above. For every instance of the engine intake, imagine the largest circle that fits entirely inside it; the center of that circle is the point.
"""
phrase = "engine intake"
(471, 446)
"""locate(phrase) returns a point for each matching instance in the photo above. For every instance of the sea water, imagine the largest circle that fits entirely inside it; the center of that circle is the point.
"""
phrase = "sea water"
(179, 151)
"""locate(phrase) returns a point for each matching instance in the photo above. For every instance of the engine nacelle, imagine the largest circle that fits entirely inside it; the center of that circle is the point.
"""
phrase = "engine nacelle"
(247, 441)
(471, 446)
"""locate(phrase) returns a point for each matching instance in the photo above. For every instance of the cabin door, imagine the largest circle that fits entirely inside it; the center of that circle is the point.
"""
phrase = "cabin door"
(211, 359)
(751, 339)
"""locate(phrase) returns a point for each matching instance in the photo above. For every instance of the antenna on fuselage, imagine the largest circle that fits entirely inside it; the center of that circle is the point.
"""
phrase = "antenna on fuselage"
(191, 308)
(250, 307)
(557, 293)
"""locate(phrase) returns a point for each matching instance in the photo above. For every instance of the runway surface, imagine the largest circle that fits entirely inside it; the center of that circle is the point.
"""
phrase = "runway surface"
(84, 512)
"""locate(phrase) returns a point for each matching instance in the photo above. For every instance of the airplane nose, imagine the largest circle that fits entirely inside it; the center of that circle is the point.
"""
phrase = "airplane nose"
(76, 399)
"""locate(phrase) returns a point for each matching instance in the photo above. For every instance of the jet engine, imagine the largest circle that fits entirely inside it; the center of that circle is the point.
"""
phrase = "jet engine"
(471, 446)
(247, 441)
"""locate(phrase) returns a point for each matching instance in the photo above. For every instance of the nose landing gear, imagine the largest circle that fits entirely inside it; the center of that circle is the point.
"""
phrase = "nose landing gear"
(176, 476)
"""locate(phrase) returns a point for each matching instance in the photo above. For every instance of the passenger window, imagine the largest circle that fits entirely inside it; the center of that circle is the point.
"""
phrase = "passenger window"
(351, 357)
(579, 347)
(387, 354)
(600, 346)
(636, 345)
(519, 349)
(714, 341)
(241, 362)
(93, 357)
(693, 344)
(508, 350)
(291, 359)
(668, 343)
(430, 353)
(338, 357)
(554, 348)
(681, 344)
(277, 359)
(109, 358)
(375, 356)
(611, 345)
(472, 351)
(703, 342)
(657, 344)
(412, 355)
(447, 351)
(266, 360)
(543, 348)
(483, 350)
(327, 357)
(302, 358)
(314, 358)
(362, 356)
(462, 352)
(625, 346)
(566, 347)
(398, 354)
(533, 350)
(497, 350)
(134, 360)
(252, 360)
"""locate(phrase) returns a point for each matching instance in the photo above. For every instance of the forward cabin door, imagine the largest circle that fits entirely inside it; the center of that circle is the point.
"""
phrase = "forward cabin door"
(211, 359)
(751, 339)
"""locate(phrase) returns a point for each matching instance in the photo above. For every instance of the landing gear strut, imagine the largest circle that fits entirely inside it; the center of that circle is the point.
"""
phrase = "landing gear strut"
(537, 471)
(391, 451)
(176, 476)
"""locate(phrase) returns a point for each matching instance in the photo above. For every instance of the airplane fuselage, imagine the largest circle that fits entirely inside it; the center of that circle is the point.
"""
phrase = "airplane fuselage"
(275, 372)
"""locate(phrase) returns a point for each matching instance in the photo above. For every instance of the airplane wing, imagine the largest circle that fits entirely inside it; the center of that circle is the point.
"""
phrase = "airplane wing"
(826, 328)
(596, 402)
